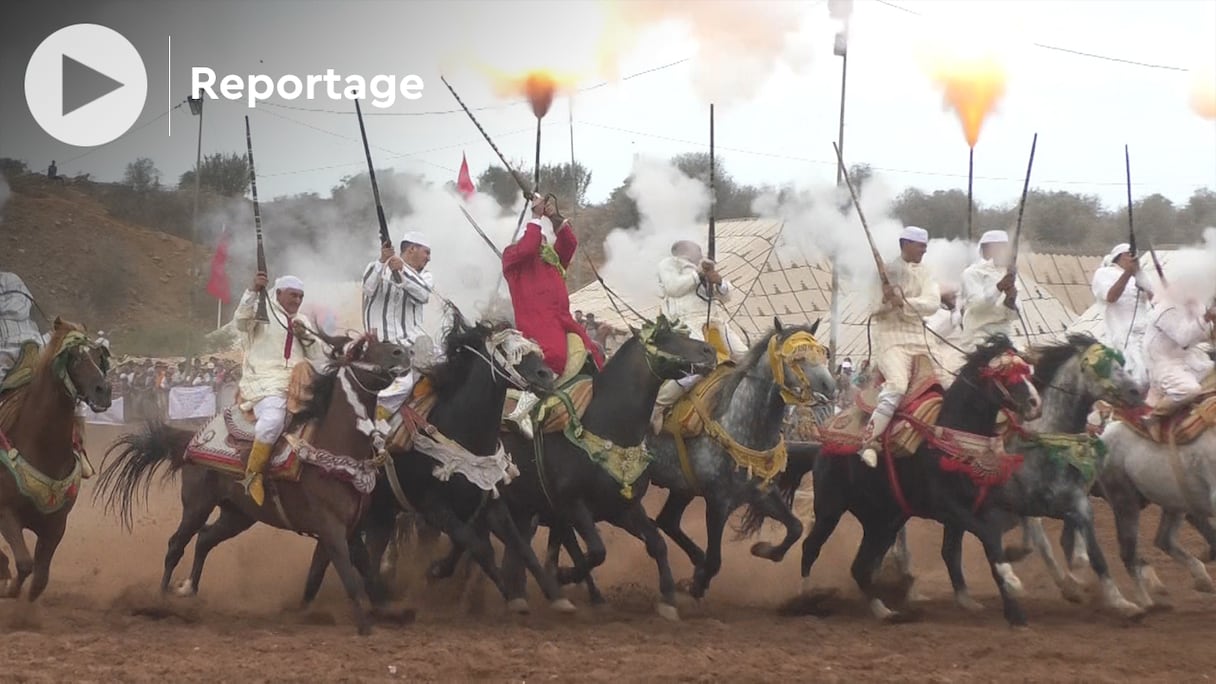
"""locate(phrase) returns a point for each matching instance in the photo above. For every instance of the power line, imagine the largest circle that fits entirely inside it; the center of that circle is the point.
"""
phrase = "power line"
(133, 130)
(1057, 48)
(483, 108)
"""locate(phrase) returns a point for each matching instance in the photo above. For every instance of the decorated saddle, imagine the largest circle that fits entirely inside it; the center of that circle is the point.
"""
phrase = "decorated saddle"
(224, 444)
(842, 436)
(1178, 424)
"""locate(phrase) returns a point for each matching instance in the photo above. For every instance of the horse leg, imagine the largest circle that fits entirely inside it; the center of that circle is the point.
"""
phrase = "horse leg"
(1015, 553)
(772, 505)
(512, 565)
(230, 523)
(466, 536)
(635, 522)
(565, 538)
(952, 556)
(332, 539)
(316, 574)
(10, 529)
(504, 528)
(1203, 525)
(196, 508)
(6, 573)
(669, 519)
(1167, 541)
(825, 524)
(44, 551)
(876, 540)
(1069, 585)
(715, 524)
(988, 530)
(1082, 514)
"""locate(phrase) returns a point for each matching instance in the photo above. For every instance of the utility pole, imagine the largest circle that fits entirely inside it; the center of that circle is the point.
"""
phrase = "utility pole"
(196, 109)
(840, 10)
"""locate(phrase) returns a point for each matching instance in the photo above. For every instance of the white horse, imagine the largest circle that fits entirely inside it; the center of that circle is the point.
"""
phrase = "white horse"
(1182, 480)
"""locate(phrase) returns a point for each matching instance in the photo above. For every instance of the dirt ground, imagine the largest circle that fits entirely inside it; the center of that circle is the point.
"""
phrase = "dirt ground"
(102, 620)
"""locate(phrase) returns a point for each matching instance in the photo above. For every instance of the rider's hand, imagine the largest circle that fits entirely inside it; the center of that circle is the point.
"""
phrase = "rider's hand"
(260, 281)
(386, 253)
(396, 263)
(1005, 284)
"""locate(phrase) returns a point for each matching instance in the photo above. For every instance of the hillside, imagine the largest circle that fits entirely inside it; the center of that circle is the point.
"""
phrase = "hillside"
(81, 263)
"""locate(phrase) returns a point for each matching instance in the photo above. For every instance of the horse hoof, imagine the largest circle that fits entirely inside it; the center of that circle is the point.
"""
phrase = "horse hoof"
(668, 612)
(967, 603)
(365, 629)
(808, 602)
(767, 551)
(914, 595)
(1071, 590)
(1204, 585)
(518, 606)
(562, 605)
(185, 589)
(1129, 610)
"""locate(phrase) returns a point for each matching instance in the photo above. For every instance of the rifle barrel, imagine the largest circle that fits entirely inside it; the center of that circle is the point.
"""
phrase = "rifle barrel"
(262, 315)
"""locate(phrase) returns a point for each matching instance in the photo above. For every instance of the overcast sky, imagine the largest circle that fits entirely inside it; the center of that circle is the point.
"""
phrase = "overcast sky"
(1084, 109)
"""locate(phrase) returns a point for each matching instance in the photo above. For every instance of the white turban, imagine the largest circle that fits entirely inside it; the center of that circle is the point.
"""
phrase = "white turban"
(289, 282)
(1121, 248)
(416, 238)
(914, 234)
(994, 237)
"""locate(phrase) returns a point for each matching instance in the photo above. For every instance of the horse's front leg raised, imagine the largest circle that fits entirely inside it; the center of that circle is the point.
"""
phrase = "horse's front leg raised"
(773, 506)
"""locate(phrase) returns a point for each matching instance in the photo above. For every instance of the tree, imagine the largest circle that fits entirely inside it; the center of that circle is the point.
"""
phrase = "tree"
(11, 168)
(497, 182)
(142, 176)
(226, 175)
(568, 182)
(732, 200)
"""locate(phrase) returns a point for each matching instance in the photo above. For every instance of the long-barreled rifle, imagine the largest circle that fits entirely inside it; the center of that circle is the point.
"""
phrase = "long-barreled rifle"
(385, 239)
(262, 315)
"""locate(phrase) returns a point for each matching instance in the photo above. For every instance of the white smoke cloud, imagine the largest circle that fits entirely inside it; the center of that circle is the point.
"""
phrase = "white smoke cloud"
(1190, 273)
(739, 45)
(672, 207)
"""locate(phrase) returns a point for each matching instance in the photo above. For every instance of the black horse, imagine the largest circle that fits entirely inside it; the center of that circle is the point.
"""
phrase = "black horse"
(994, 377)
(561, 487)
(470, 385)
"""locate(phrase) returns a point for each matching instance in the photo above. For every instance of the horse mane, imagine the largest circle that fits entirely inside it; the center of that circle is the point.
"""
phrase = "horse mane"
(1050, 358)
(993, 347)
(753, 357)
(460, 333)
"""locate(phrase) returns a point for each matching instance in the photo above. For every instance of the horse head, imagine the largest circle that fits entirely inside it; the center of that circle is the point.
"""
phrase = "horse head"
(80, 364)
(670, 353)
(998, 370)
(520, 360)
(1104, 375)
(798, 362)
(374, 363)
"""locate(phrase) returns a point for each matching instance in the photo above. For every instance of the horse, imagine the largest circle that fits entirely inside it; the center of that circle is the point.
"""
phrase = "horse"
(42, 473)
(324, 503)
(1057, 473)
(567, 491)
(1182, 480)
(786, 367)
(470, 387)
(926, 484)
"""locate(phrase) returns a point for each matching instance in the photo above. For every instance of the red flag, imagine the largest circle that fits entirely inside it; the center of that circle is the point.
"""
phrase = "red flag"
(464, 183)
(217, 285)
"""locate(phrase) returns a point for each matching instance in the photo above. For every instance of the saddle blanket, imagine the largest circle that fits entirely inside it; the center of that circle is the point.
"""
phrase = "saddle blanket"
(551, 414)
(224, 444)
(1180, 427)
(842, 436)
(683, 417)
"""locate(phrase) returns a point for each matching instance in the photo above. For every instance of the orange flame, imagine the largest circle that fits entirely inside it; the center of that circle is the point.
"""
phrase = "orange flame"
(972, 87)
(540, 86)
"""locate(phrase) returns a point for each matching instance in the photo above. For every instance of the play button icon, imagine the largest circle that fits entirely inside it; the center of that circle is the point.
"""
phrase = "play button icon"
(86, 85)
(83, 84)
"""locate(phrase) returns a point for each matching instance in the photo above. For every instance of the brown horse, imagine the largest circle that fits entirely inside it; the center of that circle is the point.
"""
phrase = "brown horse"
(39, 470)
(319, 504)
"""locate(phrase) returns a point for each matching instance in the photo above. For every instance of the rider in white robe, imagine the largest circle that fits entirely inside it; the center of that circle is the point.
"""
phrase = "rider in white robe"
(395, 308)
(1176, 364)
(1125, 293)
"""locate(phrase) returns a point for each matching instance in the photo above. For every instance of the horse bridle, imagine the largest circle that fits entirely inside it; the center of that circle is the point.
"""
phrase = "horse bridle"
(75, 341)
(1012, 367)
(797, 347)
(656, 357)
(504, 350)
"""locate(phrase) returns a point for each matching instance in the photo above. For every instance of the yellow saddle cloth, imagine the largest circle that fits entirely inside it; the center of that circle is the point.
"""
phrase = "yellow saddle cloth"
(683, 418)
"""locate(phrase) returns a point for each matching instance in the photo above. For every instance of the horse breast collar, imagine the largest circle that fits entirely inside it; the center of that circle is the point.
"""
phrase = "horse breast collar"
(48, 495)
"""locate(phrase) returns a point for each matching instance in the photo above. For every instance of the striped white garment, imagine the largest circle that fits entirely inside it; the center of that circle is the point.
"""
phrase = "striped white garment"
(904, 326)
(15, 324)
(395, 309)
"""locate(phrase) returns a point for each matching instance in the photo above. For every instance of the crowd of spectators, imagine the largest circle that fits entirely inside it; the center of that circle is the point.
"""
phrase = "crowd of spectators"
(144, 384)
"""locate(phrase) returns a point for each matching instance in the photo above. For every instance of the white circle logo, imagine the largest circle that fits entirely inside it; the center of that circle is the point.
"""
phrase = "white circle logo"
(86, 85)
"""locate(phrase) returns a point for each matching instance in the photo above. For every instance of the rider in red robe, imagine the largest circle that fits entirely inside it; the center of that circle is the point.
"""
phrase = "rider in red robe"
(535, 271)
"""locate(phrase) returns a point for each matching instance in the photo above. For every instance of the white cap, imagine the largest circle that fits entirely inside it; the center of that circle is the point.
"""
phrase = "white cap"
(1120, 248)
(848, 365)
(994, 237)
(914, 234)
(416, 238)
(289, 282)
(100, 333)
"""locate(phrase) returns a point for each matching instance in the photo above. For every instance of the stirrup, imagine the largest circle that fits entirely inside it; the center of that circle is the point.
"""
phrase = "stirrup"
(869, 456)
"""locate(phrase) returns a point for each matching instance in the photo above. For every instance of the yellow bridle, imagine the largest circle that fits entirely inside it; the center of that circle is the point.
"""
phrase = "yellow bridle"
(800, 346)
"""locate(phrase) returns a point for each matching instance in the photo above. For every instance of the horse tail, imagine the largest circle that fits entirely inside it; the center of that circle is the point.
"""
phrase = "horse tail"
(800, 461)
(137, 457)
